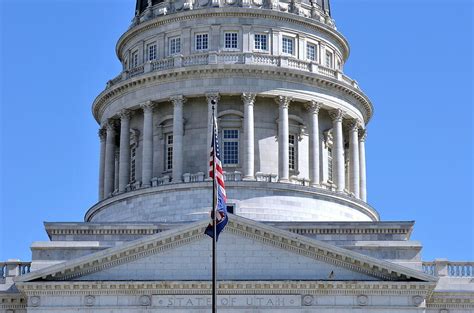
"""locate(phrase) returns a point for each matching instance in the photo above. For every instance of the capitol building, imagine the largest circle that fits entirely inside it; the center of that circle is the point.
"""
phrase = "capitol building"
(301, 235)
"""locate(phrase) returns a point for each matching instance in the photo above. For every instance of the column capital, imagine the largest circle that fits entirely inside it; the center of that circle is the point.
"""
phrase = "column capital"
(336, 115)
(249, 98)
(125, 114)
(283, 101)
(212, 96)
(110, 125)
(362, 135)
(354, 125)
(313, 106)
(102, 133)
(178, 100)
(147, 107)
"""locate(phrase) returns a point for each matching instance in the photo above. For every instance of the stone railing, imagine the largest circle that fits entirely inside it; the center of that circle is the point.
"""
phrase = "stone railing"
(270, 178)
(213, 57)
(442, 267)
(299, 181)
(13, 268)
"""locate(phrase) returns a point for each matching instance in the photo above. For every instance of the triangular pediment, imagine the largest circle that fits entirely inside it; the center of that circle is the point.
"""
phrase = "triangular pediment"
(247, 250)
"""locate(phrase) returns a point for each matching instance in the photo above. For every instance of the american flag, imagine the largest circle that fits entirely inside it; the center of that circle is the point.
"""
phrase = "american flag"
(218, 185)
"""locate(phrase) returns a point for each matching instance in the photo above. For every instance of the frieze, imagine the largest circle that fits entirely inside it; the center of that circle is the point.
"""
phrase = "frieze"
(208, 71)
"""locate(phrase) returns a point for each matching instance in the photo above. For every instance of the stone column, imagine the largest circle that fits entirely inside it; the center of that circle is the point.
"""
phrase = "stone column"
(102, 136)
(116, 169)
(178, 131)
(363, 178)
(338, 150)
(283, 139)
(314, 163)
(124, 170)
(109, 159)
(354, 182)
(249, 146)
(210, 97)
(147, 150)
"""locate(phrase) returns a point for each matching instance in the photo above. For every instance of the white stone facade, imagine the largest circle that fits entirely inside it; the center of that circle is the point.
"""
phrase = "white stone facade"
(302, 237)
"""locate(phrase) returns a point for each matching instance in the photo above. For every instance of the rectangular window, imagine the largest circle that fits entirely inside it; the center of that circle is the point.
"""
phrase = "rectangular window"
(261, 42)
(329, 59)
(311, 52)
(134, 62)
(292, 147)
(288, 45)
(169, 152)
(175, 45)
(151, 48)
(330, 164)
(230, 40)
(133, 155)
(231, 146)
(202, 41)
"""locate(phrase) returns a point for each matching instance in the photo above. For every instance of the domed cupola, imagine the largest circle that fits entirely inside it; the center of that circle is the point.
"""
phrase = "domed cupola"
(291, 123)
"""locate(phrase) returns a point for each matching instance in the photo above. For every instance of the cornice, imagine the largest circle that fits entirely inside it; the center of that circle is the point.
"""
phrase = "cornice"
(230, 12)
(268, 235)
(225, 288)
(246, 70)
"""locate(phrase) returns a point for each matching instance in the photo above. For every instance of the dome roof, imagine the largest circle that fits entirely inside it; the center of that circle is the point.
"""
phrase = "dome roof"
(143, 4)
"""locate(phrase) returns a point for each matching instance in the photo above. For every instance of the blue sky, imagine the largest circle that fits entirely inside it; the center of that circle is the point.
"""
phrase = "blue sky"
(414, 59)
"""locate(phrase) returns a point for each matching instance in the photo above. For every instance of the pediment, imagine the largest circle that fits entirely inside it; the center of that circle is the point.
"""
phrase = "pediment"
(247, 250)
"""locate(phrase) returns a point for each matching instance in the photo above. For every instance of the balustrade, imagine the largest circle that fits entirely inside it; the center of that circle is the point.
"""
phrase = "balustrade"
(232, 58)
(448, 268)
(13, 269)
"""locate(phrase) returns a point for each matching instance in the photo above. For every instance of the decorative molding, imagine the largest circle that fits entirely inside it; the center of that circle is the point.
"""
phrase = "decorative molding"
(362, 135)
(313, 107)
(362, 300)
(125, 114)
(336, 115)
(249, 98)
(212, 96)
(209, 71)
(265, 234)
(283, 102)
(231, 13)
(147, 107)
(102, 134)
(178, 100)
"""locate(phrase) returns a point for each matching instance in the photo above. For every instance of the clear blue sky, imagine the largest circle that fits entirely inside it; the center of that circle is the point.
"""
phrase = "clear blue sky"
(414, 59)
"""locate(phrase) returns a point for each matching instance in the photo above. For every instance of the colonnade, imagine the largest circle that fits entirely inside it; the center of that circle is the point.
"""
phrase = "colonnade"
(114, 172)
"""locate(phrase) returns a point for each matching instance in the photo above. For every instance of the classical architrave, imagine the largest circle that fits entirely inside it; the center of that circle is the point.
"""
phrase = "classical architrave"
(237, 225)
(245, 70)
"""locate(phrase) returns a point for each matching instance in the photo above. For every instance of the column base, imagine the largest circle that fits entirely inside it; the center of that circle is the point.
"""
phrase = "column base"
(248, 178)
(283, 180)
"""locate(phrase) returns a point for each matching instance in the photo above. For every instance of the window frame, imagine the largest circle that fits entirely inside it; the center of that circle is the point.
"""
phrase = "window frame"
(293, 150)
(329, 56)
(267, 42)
(148, 54)
(134, 61)
(225, 140)
(170, 45)
(196, 35)
(168, 164)
(231, 40)
(292, 40)
(316, 54)
(133, 163)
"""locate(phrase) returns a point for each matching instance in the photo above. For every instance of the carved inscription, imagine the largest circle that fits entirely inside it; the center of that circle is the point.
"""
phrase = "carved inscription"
(228, 301)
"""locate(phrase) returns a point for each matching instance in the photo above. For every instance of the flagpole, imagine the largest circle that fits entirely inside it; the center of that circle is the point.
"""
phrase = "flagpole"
(214, 213)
